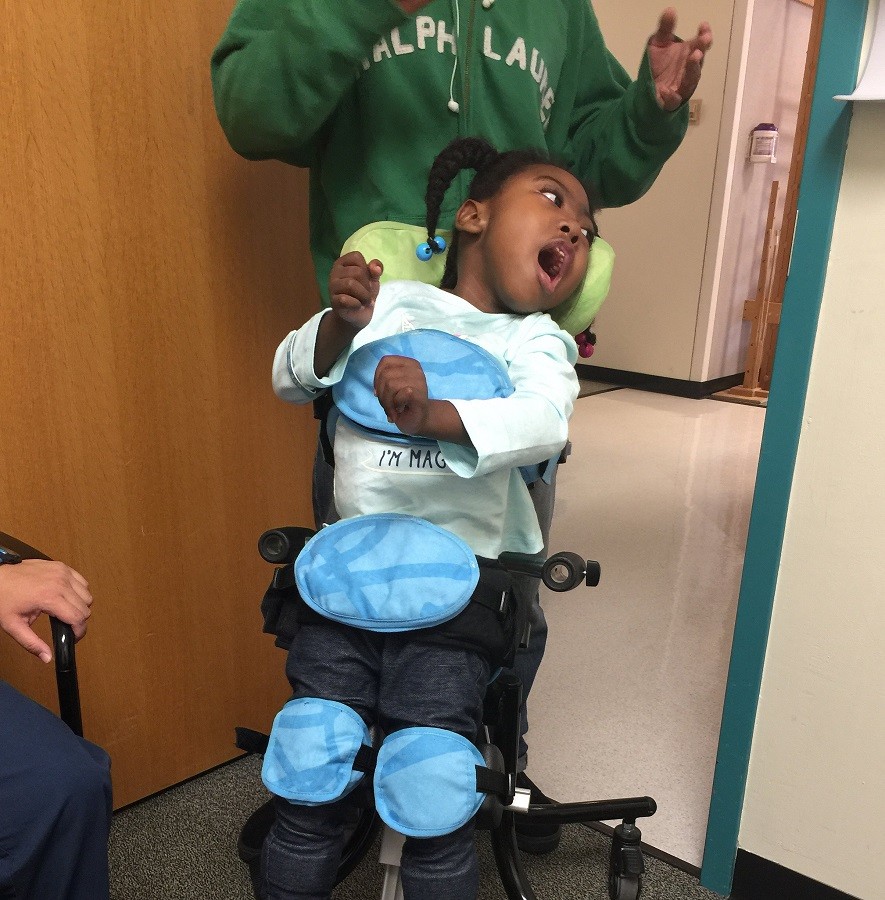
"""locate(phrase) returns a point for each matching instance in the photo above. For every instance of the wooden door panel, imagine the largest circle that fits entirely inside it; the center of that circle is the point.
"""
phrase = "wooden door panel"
(148, 276)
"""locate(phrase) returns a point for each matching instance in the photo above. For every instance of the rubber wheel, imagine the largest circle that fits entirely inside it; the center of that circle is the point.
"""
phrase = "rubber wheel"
(624, 887)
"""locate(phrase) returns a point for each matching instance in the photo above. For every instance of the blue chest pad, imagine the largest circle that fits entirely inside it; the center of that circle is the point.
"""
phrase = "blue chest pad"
(386, 572)
(311, 751)
(455, 369)
(425, 781)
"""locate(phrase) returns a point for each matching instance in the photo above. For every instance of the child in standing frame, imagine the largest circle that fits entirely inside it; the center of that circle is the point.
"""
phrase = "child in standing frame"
(446, 454)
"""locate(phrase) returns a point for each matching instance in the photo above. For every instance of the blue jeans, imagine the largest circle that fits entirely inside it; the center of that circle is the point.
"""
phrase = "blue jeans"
(393, 682)
(55, 806)
(528, 659)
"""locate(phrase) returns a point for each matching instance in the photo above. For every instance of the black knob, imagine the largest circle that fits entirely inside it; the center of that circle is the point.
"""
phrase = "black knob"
(280, 546)
(563, 571)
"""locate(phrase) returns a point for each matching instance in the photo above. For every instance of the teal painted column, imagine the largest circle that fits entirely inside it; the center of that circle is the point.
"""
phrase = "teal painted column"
(844, 22)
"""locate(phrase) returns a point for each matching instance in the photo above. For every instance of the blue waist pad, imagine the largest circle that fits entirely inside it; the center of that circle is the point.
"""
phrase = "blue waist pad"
(425, 781)
(310, 756)
(386, 572)
(455, 369)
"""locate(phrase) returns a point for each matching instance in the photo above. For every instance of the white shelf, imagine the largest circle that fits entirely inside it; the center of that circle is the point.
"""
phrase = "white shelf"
(872, 83)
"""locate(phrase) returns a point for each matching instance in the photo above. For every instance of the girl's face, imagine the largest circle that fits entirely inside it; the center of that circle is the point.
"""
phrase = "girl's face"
(533, 242)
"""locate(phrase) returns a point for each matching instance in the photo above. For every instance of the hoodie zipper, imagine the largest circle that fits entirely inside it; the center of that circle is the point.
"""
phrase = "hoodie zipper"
(468, 48)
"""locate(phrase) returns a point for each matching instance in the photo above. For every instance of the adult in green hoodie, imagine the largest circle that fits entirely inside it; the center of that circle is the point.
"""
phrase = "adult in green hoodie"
(365, 93)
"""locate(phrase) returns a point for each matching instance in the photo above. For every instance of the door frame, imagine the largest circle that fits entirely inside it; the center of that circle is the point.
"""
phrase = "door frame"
(843, 26)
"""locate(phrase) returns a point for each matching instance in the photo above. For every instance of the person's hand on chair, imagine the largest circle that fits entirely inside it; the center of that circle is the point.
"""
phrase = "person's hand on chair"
(37, 586)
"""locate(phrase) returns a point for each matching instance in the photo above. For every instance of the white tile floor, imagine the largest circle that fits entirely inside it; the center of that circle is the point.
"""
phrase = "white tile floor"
(629, 698)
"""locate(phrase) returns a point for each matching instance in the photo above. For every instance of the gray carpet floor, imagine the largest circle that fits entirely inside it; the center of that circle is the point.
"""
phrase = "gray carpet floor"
(181, 845)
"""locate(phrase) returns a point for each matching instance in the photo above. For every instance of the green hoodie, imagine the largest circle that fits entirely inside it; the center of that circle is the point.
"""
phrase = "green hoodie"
(359, 92)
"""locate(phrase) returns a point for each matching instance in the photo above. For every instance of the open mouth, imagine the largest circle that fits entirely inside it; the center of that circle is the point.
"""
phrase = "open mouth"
(554, 261)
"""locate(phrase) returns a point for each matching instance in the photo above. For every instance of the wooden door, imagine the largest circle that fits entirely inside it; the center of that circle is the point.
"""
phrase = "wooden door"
(148, 274)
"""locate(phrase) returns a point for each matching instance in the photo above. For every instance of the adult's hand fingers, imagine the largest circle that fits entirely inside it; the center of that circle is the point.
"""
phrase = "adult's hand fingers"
(698, 47)
(58, 590)
(703, 40)
(38, 586)
(21, 633)
(666, 28)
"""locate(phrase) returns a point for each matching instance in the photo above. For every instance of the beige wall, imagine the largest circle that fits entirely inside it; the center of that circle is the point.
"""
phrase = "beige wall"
(816, 785)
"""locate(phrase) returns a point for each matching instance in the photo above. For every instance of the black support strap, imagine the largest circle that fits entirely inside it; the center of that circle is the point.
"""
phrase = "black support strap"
(365, 759)
(322, 406)
(491, 782)
(251, 741)
(493, 589)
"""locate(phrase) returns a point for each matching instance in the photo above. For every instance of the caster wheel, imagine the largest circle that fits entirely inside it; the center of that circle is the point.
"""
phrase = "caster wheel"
(624, 887)
(626, 863)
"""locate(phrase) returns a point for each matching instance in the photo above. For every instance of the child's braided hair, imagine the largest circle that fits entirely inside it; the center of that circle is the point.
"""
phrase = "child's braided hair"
(492, 170)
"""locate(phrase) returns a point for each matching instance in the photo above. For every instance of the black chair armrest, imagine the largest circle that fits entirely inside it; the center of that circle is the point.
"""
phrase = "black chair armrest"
(63, 648)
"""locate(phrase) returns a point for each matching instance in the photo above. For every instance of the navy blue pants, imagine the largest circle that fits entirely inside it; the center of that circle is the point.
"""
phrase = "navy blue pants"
(528, 659)
(394, 682)
(55, 806)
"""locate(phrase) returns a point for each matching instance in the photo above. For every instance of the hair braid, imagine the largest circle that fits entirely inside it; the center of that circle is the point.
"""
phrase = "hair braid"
(492, 170)
(462, 153)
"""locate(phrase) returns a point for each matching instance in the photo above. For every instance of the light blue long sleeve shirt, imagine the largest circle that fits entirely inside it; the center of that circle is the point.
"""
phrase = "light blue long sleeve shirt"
(475, 490)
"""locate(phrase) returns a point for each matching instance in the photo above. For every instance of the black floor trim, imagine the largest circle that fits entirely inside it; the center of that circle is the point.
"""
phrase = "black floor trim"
(756, 878)
(693, 390)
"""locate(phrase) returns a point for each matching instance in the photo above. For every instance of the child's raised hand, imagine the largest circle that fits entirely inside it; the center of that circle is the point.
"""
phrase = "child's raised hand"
(401, 389)
(353, 287)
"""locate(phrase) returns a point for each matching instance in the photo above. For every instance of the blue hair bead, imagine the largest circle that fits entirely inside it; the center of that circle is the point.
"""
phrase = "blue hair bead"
(423, 252)
(440, 244)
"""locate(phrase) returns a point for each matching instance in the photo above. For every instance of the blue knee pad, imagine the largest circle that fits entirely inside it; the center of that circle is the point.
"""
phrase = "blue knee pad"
(426, 781)
(317, 752)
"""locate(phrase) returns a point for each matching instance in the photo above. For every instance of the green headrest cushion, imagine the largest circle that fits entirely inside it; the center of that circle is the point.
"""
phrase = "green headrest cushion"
(394, 244)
